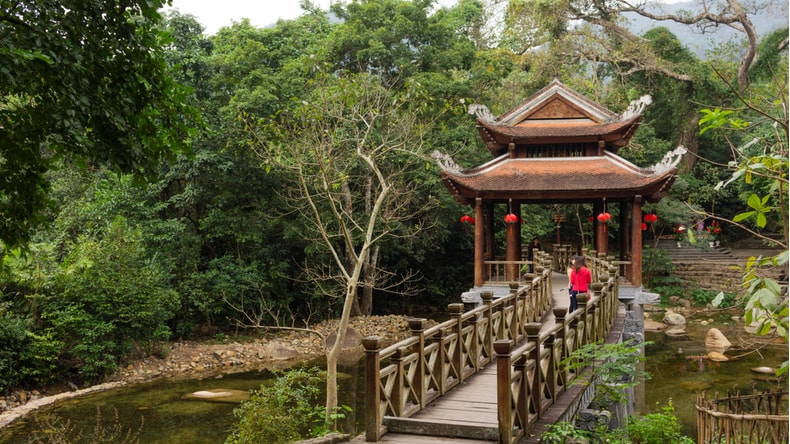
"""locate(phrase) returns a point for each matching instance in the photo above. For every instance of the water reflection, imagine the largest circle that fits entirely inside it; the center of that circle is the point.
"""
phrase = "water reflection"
(165, 414)
(680, 369)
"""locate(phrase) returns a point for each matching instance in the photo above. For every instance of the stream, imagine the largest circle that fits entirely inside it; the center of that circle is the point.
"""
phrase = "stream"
(678, 373)
(159, 412)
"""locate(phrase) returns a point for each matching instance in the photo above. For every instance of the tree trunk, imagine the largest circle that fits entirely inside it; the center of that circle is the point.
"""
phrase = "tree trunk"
(334, 352)
(369, 279)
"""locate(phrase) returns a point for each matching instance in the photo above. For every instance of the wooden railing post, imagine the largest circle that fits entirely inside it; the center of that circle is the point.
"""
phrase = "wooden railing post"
(516, 315)
(586, 338)
(504, 413)
(398, 392)
(459, 360)
(417, 327)
(559, 320)
(533, 335)
(488, 314)
(373, 414)
(598, 310)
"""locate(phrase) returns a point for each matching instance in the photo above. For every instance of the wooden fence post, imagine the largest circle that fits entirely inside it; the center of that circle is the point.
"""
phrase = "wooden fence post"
(373, 415)
(417, 327)
(504, 413)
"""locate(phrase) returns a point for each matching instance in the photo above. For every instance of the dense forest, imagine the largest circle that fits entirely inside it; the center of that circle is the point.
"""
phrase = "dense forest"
(158, 183)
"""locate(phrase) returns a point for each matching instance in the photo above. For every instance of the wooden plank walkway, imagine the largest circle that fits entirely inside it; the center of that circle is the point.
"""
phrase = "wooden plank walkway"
(469, 410)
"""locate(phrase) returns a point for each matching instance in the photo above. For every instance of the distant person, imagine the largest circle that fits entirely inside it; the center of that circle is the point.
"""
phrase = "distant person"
(580, 281)
(531, 249)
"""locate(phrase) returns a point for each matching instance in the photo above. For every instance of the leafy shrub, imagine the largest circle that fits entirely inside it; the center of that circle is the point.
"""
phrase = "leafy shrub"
(657, 428)
(283, 412)
(656, 264)
(560, 432)
(110, 295)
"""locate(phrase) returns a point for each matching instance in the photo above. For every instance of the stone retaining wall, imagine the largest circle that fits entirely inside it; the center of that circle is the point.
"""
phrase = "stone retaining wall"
(717, 276)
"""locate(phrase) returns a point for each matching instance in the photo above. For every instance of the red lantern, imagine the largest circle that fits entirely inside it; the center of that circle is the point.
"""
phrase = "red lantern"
(511, 218)
(644, 226)
(467, 219)
(591, 219)
(651, 218)
(604, 217)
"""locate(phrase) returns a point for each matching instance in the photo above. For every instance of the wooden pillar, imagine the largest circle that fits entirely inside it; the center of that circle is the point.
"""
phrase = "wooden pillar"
(625, 233)
(480, 224)
(490, 249)
(636, 241)
(601, 232)
(513, 239)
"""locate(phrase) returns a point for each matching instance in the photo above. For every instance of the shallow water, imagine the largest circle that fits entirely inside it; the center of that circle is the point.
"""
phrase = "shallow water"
(166, 417)
(678, 374)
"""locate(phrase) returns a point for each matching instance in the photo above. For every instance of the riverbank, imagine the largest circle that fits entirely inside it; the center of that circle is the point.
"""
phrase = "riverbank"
(276, 349)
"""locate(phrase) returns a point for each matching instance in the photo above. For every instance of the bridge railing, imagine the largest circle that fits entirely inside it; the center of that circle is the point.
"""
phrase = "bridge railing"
(403, 378)
(531, 376)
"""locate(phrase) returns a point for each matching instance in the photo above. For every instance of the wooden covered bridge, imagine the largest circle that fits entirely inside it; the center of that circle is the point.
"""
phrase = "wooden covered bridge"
(494, 373)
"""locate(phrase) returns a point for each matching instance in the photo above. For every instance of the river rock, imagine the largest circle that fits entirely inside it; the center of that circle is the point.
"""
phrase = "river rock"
(651, 325)
(220, 395)
(717, 357)
(672, 318)
(715, 341)
(764, 370)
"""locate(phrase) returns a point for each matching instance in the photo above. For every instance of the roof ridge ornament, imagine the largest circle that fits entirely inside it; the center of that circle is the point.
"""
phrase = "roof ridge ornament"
(445, 162)
(481, 112)
(671, 160)
(636, 107)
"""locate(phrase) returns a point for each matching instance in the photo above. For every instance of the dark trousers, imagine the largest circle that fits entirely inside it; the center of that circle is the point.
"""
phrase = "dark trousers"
(574, 304)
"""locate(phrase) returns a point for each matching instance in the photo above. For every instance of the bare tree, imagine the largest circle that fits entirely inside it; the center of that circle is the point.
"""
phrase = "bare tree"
(350, 150)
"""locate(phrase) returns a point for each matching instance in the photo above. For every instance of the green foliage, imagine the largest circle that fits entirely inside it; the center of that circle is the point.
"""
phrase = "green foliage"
(109, 295)
(613, 366)
(560, 432)
(653, 428)
(657, 428)
(656, 263)
(84, 80)
(283, 412)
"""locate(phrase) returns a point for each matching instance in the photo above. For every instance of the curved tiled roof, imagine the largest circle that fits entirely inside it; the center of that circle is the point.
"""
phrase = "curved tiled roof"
(557, 179)
(558, 128)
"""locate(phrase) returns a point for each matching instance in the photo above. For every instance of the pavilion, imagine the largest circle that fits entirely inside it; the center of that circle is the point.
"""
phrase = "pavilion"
(558, 147)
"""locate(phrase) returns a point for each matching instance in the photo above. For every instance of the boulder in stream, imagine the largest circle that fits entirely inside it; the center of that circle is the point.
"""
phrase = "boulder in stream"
(220, 395)
(715, 341)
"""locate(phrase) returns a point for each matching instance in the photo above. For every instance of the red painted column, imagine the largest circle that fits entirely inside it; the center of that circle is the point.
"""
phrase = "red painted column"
(480, 224)
(513, 238)
(636, 241)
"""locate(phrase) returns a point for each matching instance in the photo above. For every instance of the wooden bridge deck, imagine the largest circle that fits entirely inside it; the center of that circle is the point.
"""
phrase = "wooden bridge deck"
(469, 409)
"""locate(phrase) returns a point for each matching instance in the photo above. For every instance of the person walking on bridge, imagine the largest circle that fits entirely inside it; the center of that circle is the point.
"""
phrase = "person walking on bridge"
(580, 278)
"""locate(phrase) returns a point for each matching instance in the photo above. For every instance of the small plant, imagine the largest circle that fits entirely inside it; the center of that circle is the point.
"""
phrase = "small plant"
(220, 338)
(561, 432)
(657, 428)
(614, 367)
(284, 412)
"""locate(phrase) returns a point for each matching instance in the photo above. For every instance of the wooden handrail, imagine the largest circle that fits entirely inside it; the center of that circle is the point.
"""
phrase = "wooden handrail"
(404, 378)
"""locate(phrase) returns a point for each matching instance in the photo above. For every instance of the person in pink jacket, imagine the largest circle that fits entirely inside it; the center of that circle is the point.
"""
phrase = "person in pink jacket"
(580, 278)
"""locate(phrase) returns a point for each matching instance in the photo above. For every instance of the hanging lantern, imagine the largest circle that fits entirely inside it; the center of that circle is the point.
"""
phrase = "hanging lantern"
(644, 226)
(604, 217)
(650, 218)
(467, 219)
(511, 218)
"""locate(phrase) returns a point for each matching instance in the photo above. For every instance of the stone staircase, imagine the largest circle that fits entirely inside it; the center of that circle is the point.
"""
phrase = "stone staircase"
(699, 252)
